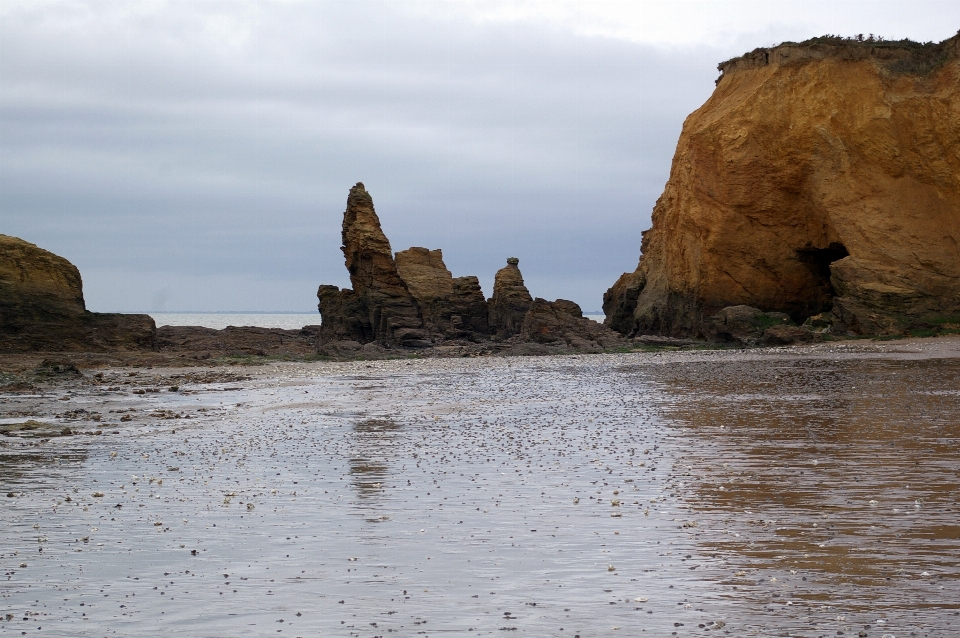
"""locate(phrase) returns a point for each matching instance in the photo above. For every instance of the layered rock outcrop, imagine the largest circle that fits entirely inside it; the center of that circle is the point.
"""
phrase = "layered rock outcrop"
(821, 180)
(562, 323)
(511, 300)
(379, 307)
(42, 307)
(453, 308)
(411, 299)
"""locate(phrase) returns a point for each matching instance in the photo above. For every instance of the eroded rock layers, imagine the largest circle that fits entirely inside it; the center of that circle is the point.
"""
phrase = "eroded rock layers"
(511, 300)
(412, 300)
(820, 180)
(42, 307)
(453, 308)
(379, 307)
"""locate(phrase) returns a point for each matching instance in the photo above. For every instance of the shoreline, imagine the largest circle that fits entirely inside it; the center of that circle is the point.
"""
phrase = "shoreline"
(23, 363)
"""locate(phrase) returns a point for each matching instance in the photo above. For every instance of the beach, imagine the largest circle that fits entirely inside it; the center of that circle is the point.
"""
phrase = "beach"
(801, 491)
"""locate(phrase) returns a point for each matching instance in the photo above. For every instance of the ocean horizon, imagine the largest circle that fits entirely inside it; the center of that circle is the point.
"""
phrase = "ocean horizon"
(282, 319)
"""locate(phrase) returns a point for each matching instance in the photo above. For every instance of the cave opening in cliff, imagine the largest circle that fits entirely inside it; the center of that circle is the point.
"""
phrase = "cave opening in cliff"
(817, 261)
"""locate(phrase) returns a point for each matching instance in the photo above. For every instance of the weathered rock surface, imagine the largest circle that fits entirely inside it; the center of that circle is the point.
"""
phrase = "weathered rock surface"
(379, 307)
(510, 300)
(451, 308)
(561, 322)
(238, 341)
(620, 302)
(820, 178)
(472, 308)
(42, 307)
(744, 324)
(455, 318)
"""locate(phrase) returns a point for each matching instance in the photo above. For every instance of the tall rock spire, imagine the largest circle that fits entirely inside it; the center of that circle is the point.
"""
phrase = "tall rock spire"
(380, 307)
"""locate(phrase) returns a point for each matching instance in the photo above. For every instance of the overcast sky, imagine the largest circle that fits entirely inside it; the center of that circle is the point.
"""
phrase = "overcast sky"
(198, 155)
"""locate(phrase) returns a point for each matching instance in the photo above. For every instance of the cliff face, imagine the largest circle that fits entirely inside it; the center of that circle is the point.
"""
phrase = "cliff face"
(818, 178)
(42, 308)
(37, 285)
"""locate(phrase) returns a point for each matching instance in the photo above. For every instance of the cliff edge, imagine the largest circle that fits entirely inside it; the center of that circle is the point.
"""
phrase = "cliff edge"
(820, 180)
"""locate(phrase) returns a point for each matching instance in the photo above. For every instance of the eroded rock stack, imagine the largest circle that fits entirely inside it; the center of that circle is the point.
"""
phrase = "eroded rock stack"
(511, 300)
(412, 300)
(379, 307)
(42, 307)
(820, 180)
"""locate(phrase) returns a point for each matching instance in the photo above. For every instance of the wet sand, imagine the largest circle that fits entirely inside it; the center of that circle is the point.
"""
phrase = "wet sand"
(778, 492)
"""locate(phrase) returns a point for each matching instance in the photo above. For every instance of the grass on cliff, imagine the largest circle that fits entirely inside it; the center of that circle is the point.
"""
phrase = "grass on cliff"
(925, 56)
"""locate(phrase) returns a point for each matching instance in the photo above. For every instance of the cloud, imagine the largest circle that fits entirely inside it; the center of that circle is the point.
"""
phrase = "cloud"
(214, 143)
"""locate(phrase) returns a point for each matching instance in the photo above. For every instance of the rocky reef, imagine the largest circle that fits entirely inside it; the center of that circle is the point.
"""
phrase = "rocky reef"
(821, 180)
(411, 300)
(42, 307)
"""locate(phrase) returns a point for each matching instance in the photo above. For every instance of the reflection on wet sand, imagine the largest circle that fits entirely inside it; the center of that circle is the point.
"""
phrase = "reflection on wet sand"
(371, 442)
(30, 469)
(826, 483)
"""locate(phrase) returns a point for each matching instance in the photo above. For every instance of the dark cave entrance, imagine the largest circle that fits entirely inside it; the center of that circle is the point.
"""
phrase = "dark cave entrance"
(817, 261)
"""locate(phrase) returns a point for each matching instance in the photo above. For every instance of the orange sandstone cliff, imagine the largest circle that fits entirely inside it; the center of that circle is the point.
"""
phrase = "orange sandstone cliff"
(821, 180)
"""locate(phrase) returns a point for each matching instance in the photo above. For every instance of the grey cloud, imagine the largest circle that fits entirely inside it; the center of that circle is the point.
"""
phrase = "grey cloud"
(207, 149)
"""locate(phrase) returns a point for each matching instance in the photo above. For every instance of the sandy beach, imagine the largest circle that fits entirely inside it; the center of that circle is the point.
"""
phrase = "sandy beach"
(806, 490)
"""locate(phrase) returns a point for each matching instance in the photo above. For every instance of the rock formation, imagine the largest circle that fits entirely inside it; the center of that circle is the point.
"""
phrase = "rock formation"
(510, 300)
(562, 323)
(379, 307)
(453, 308)
(42, 307)
(819, 180)
(472, 307)
(420, 303)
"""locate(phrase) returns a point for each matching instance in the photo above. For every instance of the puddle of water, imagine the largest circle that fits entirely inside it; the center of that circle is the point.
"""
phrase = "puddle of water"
(563, 496)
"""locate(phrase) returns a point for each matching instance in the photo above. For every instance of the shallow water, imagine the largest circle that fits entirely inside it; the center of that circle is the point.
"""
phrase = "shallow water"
(758, 496)
(220, 320)
(282, 320)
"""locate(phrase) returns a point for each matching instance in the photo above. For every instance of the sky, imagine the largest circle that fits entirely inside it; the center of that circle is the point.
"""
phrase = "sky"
(196, 156)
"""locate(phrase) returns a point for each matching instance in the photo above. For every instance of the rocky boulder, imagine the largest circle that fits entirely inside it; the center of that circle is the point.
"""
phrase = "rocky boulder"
(42, 307)
(561, 323)
(820, 178)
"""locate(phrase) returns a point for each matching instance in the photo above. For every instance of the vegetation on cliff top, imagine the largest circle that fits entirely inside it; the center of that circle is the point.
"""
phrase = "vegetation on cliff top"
(920, 58)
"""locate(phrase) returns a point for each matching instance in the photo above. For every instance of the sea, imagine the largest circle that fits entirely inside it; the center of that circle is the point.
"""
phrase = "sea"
(284, 320)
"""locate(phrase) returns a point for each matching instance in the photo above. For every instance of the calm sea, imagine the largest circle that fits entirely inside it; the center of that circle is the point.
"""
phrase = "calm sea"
(220, 320)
